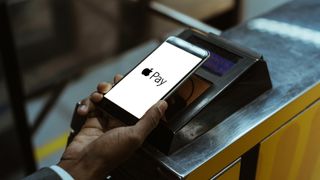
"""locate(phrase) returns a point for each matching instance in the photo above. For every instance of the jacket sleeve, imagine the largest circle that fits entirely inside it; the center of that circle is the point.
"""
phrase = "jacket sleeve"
(44, 173)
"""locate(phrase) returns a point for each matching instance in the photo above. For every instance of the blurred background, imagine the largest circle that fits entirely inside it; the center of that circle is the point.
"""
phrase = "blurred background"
(54, 52)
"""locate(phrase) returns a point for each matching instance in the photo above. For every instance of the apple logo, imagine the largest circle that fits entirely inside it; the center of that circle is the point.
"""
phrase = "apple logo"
(146, 71)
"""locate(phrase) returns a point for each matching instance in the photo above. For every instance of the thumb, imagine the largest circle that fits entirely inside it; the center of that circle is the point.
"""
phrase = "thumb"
(151, 119)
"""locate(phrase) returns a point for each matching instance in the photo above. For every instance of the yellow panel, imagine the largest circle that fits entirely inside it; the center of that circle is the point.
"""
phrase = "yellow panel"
(315, 175)
(293, 152)
(231, 174)
(247, 141)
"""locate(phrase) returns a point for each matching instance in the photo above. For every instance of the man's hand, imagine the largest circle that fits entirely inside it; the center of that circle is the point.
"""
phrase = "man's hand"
(102, 144)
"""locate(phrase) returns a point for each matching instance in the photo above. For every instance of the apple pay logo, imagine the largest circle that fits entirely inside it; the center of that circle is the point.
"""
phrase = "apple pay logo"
(155, 76)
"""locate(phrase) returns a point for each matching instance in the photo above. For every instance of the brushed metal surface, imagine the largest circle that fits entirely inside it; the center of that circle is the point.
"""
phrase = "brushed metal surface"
(294, 68)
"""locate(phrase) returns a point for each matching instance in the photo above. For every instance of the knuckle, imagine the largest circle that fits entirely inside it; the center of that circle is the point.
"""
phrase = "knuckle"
(101, 84)
(83, 101)
(95, 97)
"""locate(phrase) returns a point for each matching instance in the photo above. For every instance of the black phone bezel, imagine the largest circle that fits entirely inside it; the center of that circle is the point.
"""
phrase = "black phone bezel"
(111, 109)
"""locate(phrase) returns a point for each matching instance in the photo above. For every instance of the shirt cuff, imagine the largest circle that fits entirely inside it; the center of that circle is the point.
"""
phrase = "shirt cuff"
(61, 172)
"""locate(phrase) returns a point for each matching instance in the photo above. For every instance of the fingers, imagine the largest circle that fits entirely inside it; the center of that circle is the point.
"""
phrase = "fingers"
(85, 107)
(151, 119)
(104, 87)
(117, 78)
(96, 97)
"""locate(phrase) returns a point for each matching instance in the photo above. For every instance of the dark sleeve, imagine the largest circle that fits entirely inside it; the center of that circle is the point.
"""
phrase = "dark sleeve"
(44, 173)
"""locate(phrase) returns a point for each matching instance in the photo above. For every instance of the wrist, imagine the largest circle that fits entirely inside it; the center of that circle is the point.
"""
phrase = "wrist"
(83, 169)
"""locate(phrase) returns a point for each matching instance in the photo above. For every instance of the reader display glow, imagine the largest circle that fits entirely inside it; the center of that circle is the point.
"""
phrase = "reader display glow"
(218, 64)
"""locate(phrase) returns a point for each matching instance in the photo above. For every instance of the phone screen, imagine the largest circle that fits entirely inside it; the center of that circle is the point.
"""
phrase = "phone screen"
(153, 78)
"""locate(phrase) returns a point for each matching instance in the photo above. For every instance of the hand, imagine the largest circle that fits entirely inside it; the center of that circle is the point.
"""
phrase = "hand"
(102, 144)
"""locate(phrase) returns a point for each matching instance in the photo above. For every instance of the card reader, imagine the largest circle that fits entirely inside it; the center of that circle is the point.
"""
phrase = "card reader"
(232, 77)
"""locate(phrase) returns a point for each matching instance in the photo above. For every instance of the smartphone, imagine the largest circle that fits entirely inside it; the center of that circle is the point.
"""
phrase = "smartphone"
(154, 78)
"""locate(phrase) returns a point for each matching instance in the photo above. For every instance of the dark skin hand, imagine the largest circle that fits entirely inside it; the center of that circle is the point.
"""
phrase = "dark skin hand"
(104, 143)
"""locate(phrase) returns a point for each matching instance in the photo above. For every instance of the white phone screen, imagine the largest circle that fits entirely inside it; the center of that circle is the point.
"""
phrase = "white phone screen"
(152, 79)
